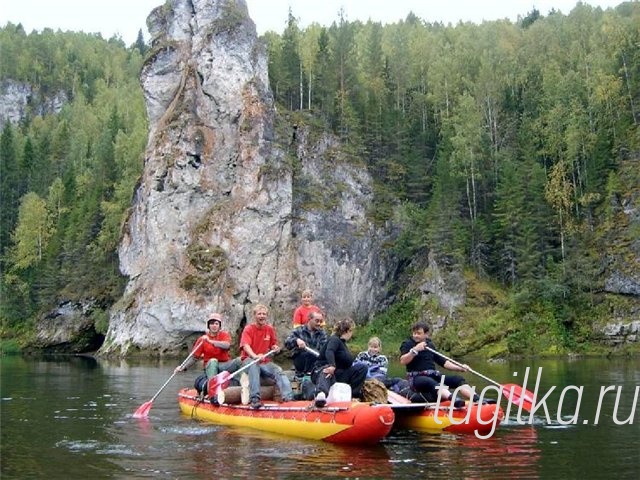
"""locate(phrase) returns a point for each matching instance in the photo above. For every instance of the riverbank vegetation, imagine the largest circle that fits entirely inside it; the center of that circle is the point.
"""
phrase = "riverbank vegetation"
(508, 151)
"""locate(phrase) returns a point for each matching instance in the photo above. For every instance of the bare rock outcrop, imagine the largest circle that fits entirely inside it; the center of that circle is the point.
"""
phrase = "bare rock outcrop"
(19, 100)
(214, 224)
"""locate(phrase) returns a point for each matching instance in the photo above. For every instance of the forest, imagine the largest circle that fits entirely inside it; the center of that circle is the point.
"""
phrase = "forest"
(505, 149)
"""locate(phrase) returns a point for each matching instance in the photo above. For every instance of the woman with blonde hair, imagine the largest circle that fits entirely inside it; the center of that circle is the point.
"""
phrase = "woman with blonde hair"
(377, 363)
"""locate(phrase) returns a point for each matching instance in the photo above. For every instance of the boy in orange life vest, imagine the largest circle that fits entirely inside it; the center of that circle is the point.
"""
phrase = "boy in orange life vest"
(301, 314)
(257, 339)
(213, 348)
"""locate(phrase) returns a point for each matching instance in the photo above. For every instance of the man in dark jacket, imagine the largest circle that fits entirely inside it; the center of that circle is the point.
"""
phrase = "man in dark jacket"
(310, 335)
(421, 367)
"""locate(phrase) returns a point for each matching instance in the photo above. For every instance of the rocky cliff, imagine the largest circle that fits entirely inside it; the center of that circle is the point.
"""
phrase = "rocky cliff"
(19, 101)
(216, 223)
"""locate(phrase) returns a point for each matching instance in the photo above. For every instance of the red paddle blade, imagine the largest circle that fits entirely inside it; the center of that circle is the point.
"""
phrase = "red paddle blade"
(143, 410)
(396, 399)
(519, 396)
(220, 381)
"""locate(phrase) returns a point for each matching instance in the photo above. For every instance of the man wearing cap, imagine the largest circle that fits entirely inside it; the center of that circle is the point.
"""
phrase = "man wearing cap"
(213, 348)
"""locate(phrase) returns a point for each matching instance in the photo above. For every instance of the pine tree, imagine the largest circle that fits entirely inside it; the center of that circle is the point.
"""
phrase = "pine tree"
(9, 176)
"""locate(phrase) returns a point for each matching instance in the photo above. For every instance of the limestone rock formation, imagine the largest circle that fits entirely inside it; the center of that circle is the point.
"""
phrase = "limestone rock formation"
(18, 100)
(214, 224)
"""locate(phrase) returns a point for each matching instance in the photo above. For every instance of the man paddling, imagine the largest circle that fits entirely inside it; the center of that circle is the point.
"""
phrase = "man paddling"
(257, 339)
(213, 348)
(422, 374)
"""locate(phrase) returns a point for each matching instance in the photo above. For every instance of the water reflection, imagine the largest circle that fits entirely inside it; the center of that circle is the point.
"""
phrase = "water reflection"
(76, 413)
(510, 453)
(243, 453)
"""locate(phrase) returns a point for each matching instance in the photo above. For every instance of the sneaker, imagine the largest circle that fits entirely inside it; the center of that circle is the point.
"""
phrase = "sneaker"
(256, 403)
(214, 401)
(321, 400)
(459, 404)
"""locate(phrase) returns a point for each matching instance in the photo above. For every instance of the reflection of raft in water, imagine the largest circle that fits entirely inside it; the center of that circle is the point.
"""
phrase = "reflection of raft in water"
(471, 418)
(338, 422)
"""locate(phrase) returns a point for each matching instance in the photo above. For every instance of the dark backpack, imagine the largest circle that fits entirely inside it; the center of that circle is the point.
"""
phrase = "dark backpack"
(201, 383)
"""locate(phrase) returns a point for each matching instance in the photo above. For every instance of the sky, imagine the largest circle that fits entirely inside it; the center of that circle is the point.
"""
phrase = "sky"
(126, 17)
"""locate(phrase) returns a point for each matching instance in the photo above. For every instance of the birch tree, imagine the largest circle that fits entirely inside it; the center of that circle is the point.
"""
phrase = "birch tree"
(32, 232)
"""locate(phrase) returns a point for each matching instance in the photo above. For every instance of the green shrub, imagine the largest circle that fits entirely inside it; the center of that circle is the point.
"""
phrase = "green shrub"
(9, 347)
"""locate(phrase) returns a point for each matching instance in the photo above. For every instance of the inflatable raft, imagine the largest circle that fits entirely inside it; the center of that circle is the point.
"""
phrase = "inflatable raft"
(339, 422)
(428, 417)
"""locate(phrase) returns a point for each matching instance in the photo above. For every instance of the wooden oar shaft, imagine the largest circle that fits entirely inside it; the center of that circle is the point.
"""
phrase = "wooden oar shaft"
(460, 365)
(223, 380)
(313, 352)
(524, 398)
(253, 362)
(174, 372)
(163, 386)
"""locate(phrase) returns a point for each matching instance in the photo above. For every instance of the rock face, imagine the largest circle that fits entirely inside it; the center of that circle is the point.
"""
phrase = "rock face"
(68, 328)
(622, 260)
(619, 333)
(18, 100)
(215, 223)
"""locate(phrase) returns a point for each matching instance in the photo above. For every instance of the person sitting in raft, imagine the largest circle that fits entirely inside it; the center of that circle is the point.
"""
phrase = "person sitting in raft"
(377, 363)
(311, 335)
(257, 339)
(335, 364)
(213, 348)
(422, 374)
(301, 314)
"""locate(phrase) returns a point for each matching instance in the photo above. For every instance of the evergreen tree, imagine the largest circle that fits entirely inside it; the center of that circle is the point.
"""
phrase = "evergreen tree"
(9, 180)
(140, 43)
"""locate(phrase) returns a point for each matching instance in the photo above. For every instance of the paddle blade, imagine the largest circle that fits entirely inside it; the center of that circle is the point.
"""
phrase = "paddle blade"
(396, 399)
(519, 396)
(143, 410)
(219, 382)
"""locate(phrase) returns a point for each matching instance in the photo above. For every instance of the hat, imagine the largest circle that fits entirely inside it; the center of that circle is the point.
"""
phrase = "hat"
(214, 317)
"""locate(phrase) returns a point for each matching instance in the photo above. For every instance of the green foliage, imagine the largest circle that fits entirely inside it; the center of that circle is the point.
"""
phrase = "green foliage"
(499, 141)
(511, 149)
(100, 320)
(392, 326)
(32, 232)
(69, 175)
(231, 17)
(209, 263)
(9, 347)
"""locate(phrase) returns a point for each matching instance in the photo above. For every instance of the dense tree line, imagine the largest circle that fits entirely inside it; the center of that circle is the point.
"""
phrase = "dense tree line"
(504, 144)
(67, 178)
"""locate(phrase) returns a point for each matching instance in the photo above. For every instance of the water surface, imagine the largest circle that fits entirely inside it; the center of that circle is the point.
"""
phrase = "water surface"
(71, 417)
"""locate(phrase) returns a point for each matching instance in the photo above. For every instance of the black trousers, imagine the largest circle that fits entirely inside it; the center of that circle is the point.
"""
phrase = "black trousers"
(427, 384)
(355, 376)
(303, 363)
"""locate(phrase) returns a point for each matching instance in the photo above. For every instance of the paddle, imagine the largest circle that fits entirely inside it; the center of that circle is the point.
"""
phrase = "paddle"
(396, 399)
(313, 352)
(221, 380)
(515, 393)
(143, 410)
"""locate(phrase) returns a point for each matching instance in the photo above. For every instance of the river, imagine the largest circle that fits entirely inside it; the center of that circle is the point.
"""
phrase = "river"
(71, 417)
